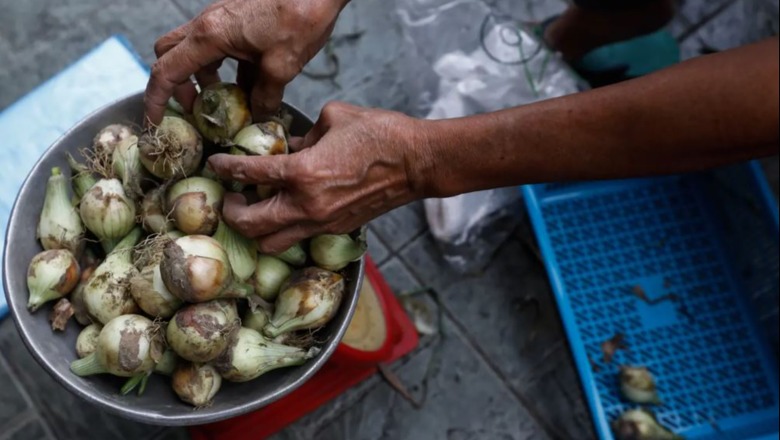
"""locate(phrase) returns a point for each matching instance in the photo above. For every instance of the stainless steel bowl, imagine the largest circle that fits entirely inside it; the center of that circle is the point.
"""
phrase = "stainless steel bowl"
(55, 351)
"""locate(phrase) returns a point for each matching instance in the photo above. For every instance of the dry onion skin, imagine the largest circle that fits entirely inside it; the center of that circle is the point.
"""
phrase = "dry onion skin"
(171, 150)
(220, 111)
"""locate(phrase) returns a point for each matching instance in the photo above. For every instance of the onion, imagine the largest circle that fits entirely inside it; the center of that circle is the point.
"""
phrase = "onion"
(51, 275)
(240, 250)
(251, 354)
(125, 348)
(308, 300)
(271, 273)
(87, 342)
(151, 295)
(263, 139)
(77, 297)
(196, 384)
(126, 164)
(108, 212)
(171, 150)
(335, 252)
(256, 319)
(107, 293)
(153, 216)
(637, 385)
(295, 255)
(82, 178)
(109, 137)
(194, 204)
(201, 332)
(59, 226)
(195, 268)
(641, 424)
(220, 111)
(167, 363)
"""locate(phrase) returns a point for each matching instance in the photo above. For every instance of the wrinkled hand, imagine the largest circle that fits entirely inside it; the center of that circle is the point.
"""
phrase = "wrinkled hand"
(271, 39)
(354, 165)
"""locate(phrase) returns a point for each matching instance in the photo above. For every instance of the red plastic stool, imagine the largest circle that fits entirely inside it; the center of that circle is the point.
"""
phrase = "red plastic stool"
(346, 368)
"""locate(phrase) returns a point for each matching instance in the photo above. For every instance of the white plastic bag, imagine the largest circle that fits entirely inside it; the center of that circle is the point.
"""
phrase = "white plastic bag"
(468, 60)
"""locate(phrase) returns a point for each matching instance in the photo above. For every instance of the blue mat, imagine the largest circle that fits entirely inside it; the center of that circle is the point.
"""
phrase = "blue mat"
(28, 127)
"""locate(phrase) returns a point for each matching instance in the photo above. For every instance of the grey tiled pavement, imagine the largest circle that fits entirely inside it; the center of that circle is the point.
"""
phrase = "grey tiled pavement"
(505, 372)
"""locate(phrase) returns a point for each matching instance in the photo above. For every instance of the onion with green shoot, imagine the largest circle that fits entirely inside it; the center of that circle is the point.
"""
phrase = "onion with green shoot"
(294, 255)
(335, 252)
(59, 226)
(256, 319)
(107, 293)
(270, 274)
(194, 204)
(82, 178)
(251, 355)
(126, 347)
(241, 251)
(51, 275)
(107, 211)
(87, 341)
(221, 110)
(309, 299)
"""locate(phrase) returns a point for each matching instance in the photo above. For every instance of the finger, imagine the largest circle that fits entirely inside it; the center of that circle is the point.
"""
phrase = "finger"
(295, 143)
(263, 170)
(173, 69)
(184, 93)
(316, 133)
(208, 75)
(259, 219)
(283, 239)
(266, 97)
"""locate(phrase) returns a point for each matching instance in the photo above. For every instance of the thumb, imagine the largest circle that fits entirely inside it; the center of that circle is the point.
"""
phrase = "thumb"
(264, 170)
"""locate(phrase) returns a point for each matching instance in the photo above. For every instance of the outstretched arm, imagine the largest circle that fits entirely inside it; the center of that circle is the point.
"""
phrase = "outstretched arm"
(701, 113)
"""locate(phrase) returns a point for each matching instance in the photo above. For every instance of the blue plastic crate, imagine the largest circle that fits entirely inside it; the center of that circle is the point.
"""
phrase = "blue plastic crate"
(711, 240)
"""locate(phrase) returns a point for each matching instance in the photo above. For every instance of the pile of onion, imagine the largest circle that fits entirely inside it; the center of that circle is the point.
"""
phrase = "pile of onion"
(134, 246)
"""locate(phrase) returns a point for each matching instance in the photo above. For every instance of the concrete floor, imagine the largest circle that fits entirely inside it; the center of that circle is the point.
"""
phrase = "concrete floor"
(495, 382)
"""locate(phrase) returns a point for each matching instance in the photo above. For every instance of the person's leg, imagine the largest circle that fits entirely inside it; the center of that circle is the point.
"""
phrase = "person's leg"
(589, 24)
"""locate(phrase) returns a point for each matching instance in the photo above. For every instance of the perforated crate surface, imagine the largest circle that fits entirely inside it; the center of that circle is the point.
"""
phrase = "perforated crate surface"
(706, 242)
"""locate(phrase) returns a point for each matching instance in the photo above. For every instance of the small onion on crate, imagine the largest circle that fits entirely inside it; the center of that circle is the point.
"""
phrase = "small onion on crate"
(158, 282)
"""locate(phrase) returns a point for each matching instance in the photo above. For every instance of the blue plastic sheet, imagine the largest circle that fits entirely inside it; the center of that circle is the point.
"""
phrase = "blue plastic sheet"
(28, 127)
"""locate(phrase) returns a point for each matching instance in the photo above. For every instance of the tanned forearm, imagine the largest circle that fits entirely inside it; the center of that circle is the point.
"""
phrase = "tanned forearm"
(701, 113)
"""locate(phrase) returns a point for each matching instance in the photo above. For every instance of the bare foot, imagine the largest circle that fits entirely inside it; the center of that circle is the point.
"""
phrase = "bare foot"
(578, 31)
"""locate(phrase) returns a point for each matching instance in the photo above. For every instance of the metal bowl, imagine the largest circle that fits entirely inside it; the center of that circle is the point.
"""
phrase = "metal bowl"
(55, 351)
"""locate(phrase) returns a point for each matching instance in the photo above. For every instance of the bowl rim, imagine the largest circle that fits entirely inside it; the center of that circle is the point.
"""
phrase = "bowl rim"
(132, 412)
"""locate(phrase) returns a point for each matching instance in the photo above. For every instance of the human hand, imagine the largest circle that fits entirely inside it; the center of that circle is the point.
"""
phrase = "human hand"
(271, 39)
(354, 165)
